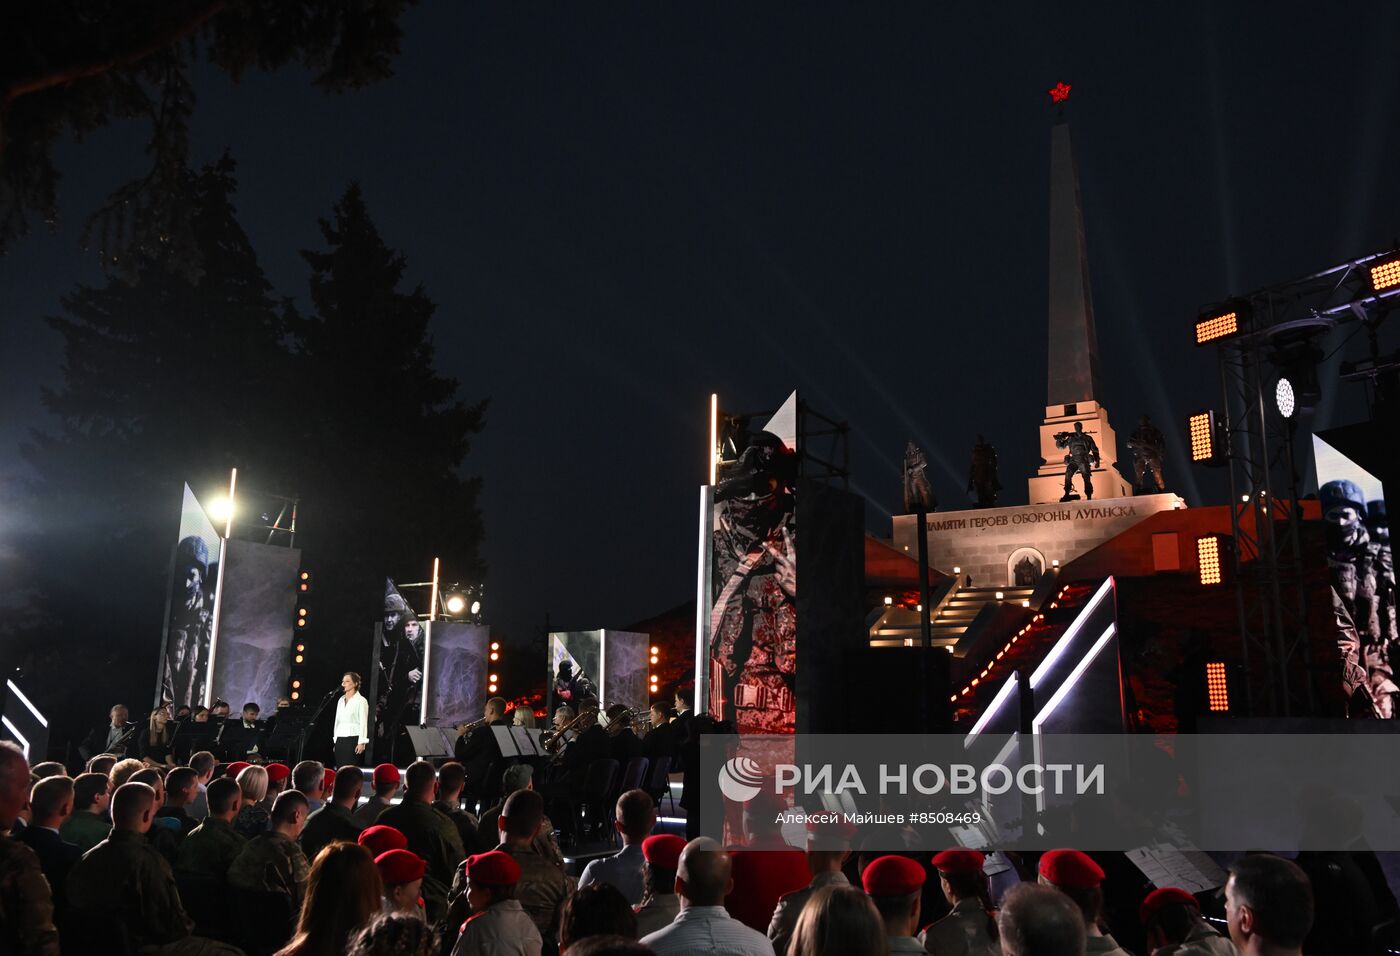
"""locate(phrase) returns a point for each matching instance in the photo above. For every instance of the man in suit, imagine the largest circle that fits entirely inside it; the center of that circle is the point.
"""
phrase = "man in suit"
(115, 736)
(478, 750)
(241, 738)
(51, 803)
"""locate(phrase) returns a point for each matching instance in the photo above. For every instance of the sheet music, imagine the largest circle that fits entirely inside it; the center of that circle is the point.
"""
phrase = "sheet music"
(506, 742)
(1192, 870)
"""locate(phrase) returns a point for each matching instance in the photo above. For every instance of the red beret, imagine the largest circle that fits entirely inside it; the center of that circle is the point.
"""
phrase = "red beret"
(495, 868)
(386, 773)
(400, 866)
(959, 860)
(663, 850)
(380, 839)
(825, 832)
(892, 876)
(237, 767)
(278, 771)
(1164, 897)
(328, 779)
(1070, 869)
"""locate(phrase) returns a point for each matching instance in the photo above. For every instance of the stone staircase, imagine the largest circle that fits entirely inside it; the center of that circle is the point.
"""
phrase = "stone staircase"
(900, 626)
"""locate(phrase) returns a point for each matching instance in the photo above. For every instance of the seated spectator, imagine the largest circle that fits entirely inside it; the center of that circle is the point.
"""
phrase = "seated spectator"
(342, 897)
(498, 925)
(49, 768)
(181, 787)
(452, 781)
(386, 784)
(272, 862)
(210, 849)
(636, 817)
(828, 847)
(25, 899)
(1075, 874)
(488, 836)
(203, 764)
(837, 920)
(401, 872)
(596, 910)
(1268, 906)
(661, 854)
(610, 946)
(1039, 920)
(895, 885)
(101, 763)
(336, 819)
(972, 922)
(165, 832)
(122, 772)
(124, 881)
(765, 868)
(381, 839)
(543, 885)
(279, 779)
(394, 934)
(703, 880)
(252, 816)
(430, 834)
(1172, 919)
(50, 804)
(88, 825)
(309, 779)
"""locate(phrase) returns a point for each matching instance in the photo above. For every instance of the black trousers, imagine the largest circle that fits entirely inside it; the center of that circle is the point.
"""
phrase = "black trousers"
(345, 752)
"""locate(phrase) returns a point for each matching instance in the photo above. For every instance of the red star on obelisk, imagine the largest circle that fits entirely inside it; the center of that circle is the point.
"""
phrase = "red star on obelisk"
(1059, 92)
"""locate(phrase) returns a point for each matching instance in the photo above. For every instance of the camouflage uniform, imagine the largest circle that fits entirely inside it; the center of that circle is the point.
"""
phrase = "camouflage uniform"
(209, 850)
(125, 877)
(433, 837)
(272, 862)
(963, 932)
(542, 887)
(26, 905)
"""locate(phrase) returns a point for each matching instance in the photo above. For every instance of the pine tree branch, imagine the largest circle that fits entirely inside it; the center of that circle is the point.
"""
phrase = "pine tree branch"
(137, 51)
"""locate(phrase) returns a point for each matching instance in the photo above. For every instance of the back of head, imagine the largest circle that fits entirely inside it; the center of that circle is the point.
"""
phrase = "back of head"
(87, 787)
(516, 777)
(181, 786)
(123, 770)
(610, 946)
(222, 794)
(393, 934)
(521, 815)
(636, 813)
(1039, 920)
(495, 708)
(838, 919)
(102, 763)
(342, 894)
(1279, 895)
(419, 780)
(132, 805)
(49, 768)
(203, 763)
(153, 779)
(286, 807)
(309, 777)
(14, 783)
(349, 782)
(50, 798)
(452, 777)
(596, 910)
(704, 872)
(253, 782)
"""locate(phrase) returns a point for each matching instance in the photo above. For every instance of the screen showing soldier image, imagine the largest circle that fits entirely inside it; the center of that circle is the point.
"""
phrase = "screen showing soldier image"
(190, 618)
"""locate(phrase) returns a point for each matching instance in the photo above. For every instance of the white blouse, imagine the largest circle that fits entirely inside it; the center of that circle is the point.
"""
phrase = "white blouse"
(352, 718)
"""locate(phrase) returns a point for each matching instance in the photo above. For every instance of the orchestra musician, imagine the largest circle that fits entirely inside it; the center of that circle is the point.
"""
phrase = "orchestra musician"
(563, 732)
(623, 742)
(152, 744)
(660, 740)
(476, 748)
(241, 739)
(113, 737)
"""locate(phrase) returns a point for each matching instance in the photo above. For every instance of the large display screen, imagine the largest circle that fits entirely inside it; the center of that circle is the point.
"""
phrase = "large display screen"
(1361, 568)
(397, 687)
(254, 659)
(189, 619)
(458, 668)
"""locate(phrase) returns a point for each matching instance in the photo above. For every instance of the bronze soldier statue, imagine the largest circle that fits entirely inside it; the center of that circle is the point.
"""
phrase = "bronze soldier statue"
(1081, 456)
(918, 491)
(982, 479)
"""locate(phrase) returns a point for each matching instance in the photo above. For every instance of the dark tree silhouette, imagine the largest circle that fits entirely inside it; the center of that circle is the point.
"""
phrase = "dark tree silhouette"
(69, 67)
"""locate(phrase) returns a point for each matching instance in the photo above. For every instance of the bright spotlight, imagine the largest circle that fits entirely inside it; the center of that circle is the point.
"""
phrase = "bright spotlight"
(220, 509)
(455, 604)
(476, 608)
(1283, 398)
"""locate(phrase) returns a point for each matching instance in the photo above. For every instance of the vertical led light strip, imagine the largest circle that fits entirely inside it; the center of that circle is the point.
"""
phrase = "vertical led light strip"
(1060, 694)
(428, 647)
(23, 741)
(714, 435)
(219, 592)
(702, 601)
(603, 668)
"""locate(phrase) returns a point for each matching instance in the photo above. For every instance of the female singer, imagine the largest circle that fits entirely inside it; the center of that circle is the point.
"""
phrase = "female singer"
(351, 732)
(153, 744)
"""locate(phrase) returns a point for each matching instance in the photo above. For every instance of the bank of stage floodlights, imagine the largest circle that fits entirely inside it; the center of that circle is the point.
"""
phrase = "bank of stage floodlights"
(1222, 322)
(1385, 274)
(1207, 445)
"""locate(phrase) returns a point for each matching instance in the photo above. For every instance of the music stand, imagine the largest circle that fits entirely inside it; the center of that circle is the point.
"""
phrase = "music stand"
(193, 736)
(429, 742)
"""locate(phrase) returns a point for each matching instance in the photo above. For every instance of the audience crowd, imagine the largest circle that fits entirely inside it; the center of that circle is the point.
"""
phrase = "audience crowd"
(212, 859)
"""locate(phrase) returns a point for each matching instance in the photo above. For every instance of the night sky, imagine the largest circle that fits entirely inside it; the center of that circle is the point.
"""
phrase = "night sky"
(622, 208)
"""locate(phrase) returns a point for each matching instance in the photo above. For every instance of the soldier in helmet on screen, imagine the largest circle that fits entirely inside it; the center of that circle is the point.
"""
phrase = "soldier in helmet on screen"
(1364, 598)
(187, 640)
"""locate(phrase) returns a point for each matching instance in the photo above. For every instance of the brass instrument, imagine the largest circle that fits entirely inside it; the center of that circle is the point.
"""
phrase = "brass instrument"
(551, 740)
(465, 728)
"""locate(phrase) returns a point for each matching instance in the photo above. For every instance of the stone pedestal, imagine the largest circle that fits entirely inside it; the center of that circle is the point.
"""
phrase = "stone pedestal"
(1047, 486)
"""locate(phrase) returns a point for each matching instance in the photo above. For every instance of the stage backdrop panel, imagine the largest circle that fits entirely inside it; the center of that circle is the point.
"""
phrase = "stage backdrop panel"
(610, 665)
(254, 655)
(183, 671)
(457, 669)
(584, 651)
(626, 659)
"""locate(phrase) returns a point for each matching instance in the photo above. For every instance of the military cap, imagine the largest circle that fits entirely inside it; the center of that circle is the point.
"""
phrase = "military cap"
(959, 860)
(493, 869)
(892, 876)
(400, 866)
(824, 832)
(385, 773)
(1161, 898)
(278, 771)
(663, 850)
(380, 839)
(328, 779)
(1070, 869)
(237, 767)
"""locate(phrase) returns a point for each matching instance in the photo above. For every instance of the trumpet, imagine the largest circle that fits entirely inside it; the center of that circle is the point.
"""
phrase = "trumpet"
(466, 728)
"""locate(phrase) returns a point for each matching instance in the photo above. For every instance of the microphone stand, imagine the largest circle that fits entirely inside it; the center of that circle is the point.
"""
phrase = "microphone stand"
(315, 715)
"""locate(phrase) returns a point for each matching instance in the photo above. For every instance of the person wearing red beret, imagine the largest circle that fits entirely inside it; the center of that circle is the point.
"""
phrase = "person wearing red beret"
(402, 874)
(661, 854)
(970, 928)
(764, 868)
(386, 783)
(1172, 919)
(1075, 874)
(381, 839)
(895, 885)
(498, 925)
(828, 848)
